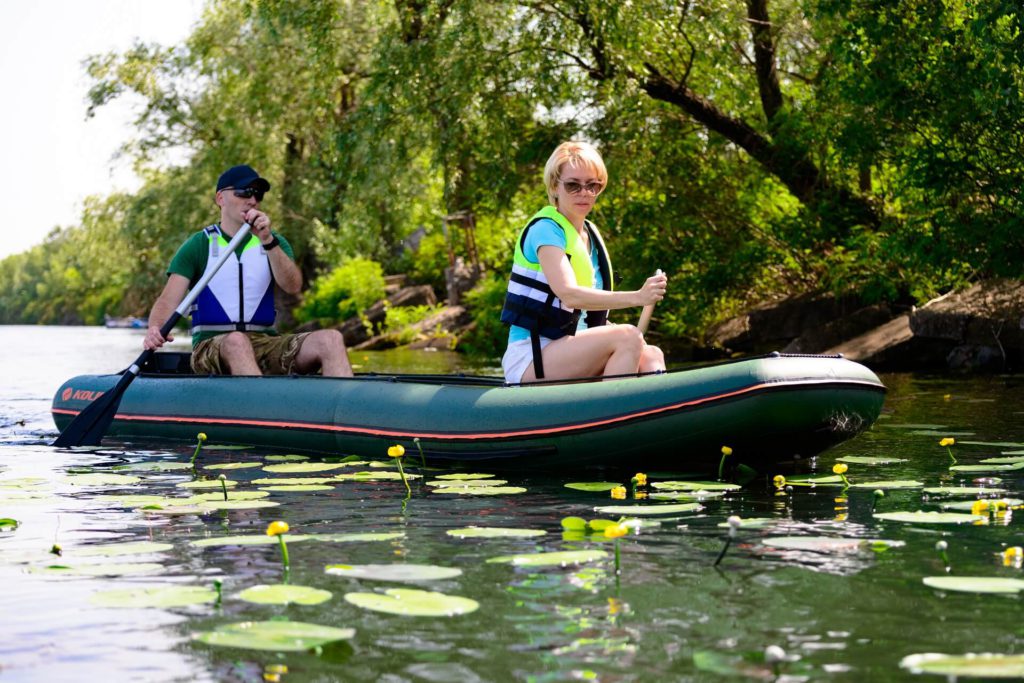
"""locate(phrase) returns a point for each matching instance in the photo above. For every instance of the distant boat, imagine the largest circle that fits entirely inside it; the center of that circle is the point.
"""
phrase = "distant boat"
(131, 322)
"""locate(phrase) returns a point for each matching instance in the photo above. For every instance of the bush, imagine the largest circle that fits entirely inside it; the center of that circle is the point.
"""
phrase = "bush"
(344, 292)
(487, 335)
(400, 321)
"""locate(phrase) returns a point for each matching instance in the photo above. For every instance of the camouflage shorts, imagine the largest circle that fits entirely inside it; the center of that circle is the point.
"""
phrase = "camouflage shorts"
(275, 354)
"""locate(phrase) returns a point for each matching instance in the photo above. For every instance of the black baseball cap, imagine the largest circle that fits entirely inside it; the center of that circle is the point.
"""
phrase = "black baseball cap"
(242, 177)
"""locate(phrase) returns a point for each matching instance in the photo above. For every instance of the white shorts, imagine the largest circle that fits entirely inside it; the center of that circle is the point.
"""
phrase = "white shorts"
(518, 356)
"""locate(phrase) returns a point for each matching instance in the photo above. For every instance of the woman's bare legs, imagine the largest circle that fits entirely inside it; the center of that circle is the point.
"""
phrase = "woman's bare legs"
(604, 350)
(652, 359)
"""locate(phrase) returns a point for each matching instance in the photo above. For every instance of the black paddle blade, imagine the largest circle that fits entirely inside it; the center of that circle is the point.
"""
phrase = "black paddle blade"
(89, 426)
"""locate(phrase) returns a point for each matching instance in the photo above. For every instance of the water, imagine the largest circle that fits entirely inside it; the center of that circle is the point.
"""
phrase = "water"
(839, 616)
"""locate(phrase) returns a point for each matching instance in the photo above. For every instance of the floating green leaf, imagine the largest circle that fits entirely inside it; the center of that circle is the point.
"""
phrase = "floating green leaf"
(298, 488)
(263, 539)
(293, 481)
(988, 468)
(115, 549)
(207, 484)
(274, 636)
(119, 569)
(995, 444)
(929, 517)
(463, 475)
(981, 665)
(868, 460)
(561, 558)
(101, 480)
(303, 467)
(752, 522)
(233, 465)
(695, 486)
(154, 596)
(974, 584)
(648, 509)
(284, 594)
(685, 495)
(969, 504)
(8, 524)
(481, 490)
(812, 480)
(374, 476)
(413, 603)
(219, 496)
(592, 486)
(287, 458)
(888, 484)
(829, 544)
(168, 466)
(963, 490)
(494, 532)
(393, 572)
(447, 483)
(24, 483)
(1006, 460)
(238, 504)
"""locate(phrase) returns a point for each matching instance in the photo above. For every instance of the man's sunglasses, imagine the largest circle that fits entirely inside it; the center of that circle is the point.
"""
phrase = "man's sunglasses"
(572, 187)
(247, 192)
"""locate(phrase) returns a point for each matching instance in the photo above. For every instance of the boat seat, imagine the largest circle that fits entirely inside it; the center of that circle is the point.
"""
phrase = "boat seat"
(169, 363)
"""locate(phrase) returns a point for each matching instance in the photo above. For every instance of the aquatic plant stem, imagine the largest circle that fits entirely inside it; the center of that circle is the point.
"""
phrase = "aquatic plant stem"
(423, 458)
(401, 471)
(200, 438)
(284, 556)
(224, 485)
(734, 523)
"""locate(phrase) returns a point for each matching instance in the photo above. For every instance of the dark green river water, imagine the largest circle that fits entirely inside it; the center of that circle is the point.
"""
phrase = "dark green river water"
(843, 610)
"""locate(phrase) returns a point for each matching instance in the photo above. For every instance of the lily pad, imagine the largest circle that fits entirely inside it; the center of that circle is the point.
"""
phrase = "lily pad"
(829, 544)
(154, 596)
(481, 490)
(118, 569)
(968, 505)
(593, 486)
(494, 532)
(868, 460)
(293, 481)
(995, 444)
(238, 504)
(752, 522)
(22, 483)
(101, 480)
(988, 468)
(303, 467)
(1005, 460)
(374, 476)
(233, 465)
(207, 484)
(219, 496)
(8, 524)
(284, 594)
(447, 483)
(811, 480)
(413, 603)
(963, 490)
(974, 584)
(274, 636)
(464, 475)
(286, 458)
(263, 539)
(115, 549)
(921, 517)
(168, 466)
(980, 665)
(695, 486)
(888, 484)
(561, 558)
(685, 495)
(649, 509)
(393, 572)
(298, 488)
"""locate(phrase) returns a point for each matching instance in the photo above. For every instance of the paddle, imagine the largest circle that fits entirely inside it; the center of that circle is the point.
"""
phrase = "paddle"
(645, 315)
(89, 426)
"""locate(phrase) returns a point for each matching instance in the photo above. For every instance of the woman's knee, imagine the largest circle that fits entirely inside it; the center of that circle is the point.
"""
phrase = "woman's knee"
(630, 337)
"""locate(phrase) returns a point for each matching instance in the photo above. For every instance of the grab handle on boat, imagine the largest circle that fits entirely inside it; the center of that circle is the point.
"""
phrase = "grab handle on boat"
(645, 315)
(89, 426)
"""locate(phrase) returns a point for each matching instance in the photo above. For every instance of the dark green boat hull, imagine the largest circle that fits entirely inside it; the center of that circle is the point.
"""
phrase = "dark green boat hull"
(766, 409)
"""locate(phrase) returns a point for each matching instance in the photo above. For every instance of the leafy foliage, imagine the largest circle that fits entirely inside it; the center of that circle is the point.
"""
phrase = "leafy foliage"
(344, 292)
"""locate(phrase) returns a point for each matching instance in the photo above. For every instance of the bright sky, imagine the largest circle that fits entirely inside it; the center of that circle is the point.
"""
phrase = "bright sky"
(51, 158)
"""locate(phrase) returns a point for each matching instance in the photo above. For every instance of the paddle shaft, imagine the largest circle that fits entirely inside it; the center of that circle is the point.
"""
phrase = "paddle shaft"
(645, 315)
(91, 424)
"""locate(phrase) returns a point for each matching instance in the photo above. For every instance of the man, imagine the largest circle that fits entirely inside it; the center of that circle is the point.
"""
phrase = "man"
(232, 319)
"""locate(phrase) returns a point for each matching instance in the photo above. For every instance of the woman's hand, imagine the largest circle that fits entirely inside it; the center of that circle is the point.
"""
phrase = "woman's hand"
(653, 290)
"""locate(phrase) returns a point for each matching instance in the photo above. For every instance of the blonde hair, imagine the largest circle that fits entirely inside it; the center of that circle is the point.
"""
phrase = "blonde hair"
(575, 153)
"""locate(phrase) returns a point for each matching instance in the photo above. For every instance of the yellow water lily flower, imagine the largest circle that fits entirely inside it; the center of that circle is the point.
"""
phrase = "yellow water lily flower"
(615, 530)
(726, 450)
(980, 507)
(948, 441)
(779, 481)
(277, 528)
(396, 451)
(1013, 557)
(640, 479)
(840, 468)
(619, 493)
(201, 436)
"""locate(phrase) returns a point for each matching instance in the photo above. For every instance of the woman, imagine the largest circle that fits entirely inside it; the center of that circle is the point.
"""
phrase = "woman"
(561, 268)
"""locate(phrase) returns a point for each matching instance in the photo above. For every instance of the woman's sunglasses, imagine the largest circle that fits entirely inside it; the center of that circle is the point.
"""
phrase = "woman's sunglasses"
(572, 187)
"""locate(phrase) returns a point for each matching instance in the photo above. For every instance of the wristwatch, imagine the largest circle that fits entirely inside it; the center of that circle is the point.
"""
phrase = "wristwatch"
(271, 244)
